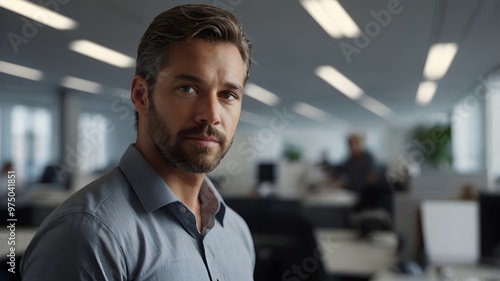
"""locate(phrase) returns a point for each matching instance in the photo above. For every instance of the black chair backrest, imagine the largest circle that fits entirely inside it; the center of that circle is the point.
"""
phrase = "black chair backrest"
(285, 245)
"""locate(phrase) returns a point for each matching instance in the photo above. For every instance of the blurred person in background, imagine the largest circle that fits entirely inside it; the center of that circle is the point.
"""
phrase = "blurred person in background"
(373, 208)
(157, 216)
(359, 168)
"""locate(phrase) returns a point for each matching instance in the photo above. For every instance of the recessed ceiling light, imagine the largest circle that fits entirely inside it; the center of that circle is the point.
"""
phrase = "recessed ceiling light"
(439, 60)
(81, 85)
(339, 82)
(101, 53)
(311, 112)
(332, 17)
(20, 71)
(425, 92)
(376, 107)
(261, 94)
(39, 14)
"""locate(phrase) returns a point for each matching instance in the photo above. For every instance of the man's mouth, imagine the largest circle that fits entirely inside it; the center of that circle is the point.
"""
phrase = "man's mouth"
(203, 140)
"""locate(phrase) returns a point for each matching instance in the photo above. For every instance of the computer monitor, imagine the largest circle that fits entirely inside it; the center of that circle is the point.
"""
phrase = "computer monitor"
(489, 210)
(450, 231)
(266, 173)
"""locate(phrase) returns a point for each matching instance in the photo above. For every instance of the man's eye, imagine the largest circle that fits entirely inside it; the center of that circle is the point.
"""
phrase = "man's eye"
(186, 89)
(228, 96)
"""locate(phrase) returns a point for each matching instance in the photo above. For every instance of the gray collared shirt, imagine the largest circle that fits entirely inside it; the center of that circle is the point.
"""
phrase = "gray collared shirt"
(129, 225)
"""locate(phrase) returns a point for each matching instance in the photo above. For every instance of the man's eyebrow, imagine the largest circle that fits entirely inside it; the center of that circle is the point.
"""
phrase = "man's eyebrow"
(198, 80)
(189, 77)
(233, 86)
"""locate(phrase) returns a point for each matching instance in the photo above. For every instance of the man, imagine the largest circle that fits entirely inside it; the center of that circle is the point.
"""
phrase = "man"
(359, 168)
(156, 216)
(372, 210)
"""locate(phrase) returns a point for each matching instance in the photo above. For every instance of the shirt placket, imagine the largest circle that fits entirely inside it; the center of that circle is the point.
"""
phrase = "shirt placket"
(188, 220)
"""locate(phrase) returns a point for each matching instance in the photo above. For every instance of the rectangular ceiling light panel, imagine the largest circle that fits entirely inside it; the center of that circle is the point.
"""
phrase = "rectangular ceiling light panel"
(39, 14)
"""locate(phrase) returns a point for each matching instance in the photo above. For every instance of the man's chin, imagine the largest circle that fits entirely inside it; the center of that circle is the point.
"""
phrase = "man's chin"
(196, 159)
(198, 168)
(200, 162)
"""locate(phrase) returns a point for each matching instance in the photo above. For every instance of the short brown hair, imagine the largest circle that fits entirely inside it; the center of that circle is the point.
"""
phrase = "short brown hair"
(184, 23)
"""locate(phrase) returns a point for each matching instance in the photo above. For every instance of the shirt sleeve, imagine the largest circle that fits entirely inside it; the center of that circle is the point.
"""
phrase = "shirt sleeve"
(76, 246)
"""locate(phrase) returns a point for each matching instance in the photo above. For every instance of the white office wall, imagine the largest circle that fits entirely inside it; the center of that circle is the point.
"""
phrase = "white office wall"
(237, 171)
(385, 142)
(119, 112)
(394, 144)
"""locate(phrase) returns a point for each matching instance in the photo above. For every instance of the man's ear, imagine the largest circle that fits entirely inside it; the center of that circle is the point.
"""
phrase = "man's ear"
(139, 94)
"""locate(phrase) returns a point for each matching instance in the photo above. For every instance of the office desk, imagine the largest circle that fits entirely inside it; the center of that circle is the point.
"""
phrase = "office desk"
(345, 255)
(329, 208)
(332, 197)
(460, 273)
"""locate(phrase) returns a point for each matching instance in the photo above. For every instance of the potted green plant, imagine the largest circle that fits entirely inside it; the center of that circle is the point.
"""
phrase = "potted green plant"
(433, 144)
(292, 153)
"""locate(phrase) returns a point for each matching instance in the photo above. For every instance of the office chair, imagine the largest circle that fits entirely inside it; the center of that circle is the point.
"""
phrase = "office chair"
(285, 245)
(246, 207)
(56, 175)
(374, 209)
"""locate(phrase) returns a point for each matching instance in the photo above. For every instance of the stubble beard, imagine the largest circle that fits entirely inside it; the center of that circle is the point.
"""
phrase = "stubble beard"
(198, 159)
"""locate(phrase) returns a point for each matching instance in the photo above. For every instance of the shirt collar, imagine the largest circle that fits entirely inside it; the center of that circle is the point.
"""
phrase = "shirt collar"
(212, 201)
(152, 191)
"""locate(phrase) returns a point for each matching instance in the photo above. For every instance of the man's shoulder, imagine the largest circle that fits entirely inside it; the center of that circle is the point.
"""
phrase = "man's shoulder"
(106, 198)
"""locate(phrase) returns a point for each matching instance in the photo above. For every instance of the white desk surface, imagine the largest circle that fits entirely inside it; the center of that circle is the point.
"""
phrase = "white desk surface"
(333, 197)
(460, 273)
(344, 254)
(48, 198)
(23, 238)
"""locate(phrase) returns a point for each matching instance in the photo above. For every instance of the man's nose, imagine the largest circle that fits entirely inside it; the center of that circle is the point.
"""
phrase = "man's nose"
(208, 110)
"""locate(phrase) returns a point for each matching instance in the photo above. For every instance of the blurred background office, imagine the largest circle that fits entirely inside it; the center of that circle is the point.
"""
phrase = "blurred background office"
(416, 82)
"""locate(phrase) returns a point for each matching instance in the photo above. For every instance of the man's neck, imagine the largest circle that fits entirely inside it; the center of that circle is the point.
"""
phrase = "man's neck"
(186, 186)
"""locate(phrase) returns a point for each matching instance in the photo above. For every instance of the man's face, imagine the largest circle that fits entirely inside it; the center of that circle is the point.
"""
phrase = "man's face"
(355, 146)
(195, 106)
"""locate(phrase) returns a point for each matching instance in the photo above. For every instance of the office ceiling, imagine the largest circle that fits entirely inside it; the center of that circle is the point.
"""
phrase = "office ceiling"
(288, 46)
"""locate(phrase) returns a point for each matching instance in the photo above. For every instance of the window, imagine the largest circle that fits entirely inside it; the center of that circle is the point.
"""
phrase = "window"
(31, 140)
(468, 136)
(91, 146)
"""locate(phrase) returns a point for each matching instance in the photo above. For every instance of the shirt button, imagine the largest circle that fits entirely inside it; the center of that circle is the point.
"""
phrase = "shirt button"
(182, 209)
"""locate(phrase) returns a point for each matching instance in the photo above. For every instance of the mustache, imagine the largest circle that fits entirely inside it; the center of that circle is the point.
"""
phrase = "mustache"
(208, 130)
